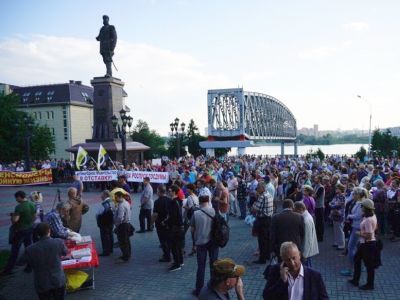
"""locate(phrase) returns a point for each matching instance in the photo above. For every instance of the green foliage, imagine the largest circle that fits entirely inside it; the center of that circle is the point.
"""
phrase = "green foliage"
(193, 138)
(42, 142)
(384, 144)
(313, 154)
(141, 133)
(13, 130)
(328, 139)
(361, 153)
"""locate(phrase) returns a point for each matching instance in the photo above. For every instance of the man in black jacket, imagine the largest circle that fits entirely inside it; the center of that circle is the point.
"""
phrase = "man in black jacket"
(286, 226)
(160, 213)
(291, 280)
(174, 223)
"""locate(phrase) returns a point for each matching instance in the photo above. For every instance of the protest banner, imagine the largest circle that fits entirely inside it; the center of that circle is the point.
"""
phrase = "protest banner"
(94, 176)
(131, 176)
(10, 178)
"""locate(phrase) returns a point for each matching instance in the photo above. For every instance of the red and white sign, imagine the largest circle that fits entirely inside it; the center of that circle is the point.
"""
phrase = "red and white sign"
(131, 176)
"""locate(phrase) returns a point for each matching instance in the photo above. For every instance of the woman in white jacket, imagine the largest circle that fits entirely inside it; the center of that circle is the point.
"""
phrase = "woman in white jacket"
(310, 243)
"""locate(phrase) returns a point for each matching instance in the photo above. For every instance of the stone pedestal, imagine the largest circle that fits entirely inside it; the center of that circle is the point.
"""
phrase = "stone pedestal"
(108, 101)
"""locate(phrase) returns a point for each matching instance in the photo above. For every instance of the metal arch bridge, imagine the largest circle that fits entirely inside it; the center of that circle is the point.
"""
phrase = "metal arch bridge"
(237, 118)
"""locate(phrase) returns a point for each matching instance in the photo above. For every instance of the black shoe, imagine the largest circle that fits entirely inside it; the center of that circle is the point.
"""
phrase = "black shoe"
(366, 287)
(163, 259)
(353, 282)
(104, 254)
(174, 268)
(141, 231)
(259, 262)
(149, 230)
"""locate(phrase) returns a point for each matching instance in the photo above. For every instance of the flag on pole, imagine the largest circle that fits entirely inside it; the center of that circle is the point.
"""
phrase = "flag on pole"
(81, 157)
(102, 157)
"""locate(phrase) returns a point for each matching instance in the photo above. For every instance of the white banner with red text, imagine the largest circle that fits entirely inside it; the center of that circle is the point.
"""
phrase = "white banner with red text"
(131, 176)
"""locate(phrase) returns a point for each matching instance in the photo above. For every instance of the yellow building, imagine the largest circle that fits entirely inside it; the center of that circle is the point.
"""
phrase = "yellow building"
(66, 108)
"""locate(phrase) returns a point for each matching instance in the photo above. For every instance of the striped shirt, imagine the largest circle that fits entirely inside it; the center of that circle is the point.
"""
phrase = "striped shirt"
(264, 205)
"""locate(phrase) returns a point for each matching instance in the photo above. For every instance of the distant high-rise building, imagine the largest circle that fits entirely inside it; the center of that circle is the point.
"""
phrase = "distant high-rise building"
(315, 130)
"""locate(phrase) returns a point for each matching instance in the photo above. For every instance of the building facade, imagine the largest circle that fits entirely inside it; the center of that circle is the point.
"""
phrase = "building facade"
(65, 108)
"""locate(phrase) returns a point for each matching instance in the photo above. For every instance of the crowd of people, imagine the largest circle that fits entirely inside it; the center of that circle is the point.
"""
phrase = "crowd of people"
(288, 201)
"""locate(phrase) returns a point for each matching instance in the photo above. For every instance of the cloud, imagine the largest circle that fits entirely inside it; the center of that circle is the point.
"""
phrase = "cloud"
(319, 52)
(161, 84)
(356, 26)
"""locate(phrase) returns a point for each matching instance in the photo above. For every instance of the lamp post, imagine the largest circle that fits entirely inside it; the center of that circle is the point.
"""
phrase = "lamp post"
(28, 135)
(120, 131)
(175, 132)
(370, 120)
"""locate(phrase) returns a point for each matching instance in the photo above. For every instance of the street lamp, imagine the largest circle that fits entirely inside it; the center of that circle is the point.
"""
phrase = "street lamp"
(120, 131)
(370, 120)
(175, 132)
(28, 135)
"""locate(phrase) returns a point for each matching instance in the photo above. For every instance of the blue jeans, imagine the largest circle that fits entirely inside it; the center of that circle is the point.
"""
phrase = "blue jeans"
(22, 236)
(352, 246)
(201, 262)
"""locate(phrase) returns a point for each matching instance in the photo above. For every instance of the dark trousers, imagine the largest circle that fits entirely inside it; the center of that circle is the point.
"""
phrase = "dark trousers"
(162, 233)
(175, 243)
(53, 294)
(242, 207)
(22, 236)
(381, 218)
(202, 251)
(145, 214)
(263, 228)
(365, 253)
(124, 241)
(319, 223)
(107, 239)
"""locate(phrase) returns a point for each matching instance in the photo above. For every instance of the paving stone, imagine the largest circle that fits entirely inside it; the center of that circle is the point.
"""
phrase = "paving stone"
(144, 278)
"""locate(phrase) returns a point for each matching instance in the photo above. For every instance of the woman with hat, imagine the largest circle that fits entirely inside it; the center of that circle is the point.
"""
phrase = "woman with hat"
(368, 250)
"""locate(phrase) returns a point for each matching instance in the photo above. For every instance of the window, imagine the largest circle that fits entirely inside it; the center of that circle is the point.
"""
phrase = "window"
(86, 97)
(34, 115)
(39, 115)
(25, 97)
(50, 115)
(50, 95)
(53, 131)
(37, 96)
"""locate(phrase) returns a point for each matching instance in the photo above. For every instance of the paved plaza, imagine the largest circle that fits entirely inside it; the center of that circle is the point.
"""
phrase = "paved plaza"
(145, 278)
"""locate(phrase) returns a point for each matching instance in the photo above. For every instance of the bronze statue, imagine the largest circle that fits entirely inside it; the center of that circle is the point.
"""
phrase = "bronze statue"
(108, 40)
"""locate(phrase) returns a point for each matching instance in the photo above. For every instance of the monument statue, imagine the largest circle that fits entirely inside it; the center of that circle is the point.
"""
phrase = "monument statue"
(108, 39)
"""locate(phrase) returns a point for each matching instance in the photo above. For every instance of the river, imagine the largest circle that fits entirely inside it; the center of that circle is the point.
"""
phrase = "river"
(275, 149)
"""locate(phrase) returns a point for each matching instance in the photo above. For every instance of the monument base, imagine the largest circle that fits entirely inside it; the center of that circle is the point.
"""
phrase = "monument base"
(114, 149)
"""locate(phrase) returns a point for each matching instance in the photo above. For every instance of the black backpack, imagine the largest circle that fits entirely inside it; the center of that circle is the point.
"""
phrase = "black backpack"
(219, 230)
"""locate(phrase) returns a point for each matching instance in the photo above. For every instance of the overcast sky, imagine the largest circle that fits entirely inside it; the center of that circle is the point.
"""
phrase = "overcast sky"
(315, 56)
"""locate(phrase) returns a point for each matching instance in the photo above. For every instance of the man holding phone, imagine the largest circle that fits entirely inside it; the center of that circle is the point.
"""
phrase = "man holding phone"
(291, 280)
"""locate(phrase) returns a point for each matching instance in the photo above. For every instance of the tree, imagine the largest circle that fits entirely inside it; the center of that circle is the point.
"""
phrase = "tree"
(142, 133)
(384, 143)
(13, 129)
(361, 153)
(193, 139)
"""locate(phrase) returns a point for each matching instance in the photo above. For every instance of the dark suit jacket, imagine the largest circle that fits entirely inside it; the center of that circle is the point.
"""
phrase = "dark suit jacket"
(287, 226)
(44, 257)
(276, 289)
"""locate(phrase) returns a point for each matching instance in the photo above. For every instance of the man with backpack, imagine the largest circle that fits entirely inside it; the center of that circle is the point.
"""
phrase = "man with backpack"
(105, 222)
(202, 225)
